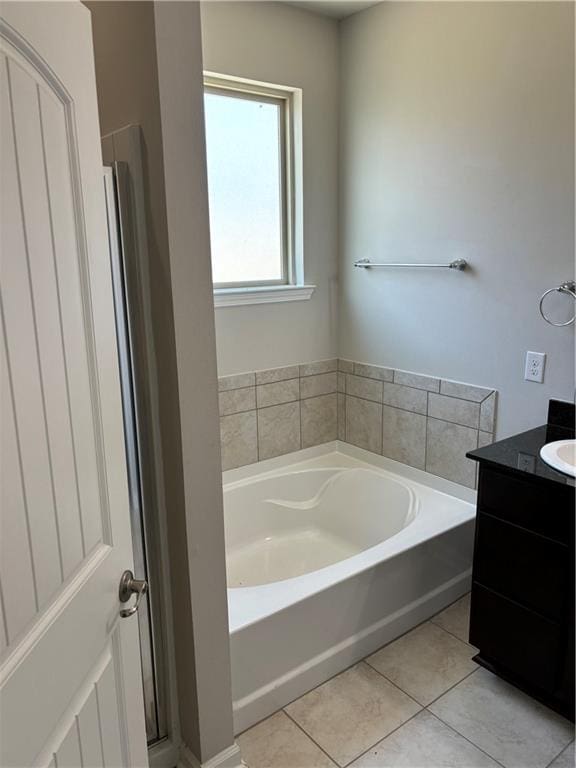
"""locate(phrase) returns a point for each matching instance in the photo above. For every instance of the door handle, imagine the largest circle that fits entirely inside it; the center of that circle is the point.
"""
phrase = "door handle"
(130, 586)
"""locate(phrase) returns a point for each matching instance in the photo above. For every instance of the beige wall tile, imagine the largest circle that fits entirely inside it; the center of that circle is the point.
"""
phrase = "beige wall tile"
(278, 430)
(238, 440)
(237, 400)
(369, 389)
(278, 742)
(321, 384)
(319, 420)
(404, 436)
(341, 417)
(485, 438)
(352, 711)
(320, 366)
(279, 392)
(364, 424)
(408, 398)
(236, 381)
(417, 380)
(341, 382)
(277, 374)
(488, 413)
(465, 391)
(374, 371)
(453, 409)
(346, 366)
(446, 448)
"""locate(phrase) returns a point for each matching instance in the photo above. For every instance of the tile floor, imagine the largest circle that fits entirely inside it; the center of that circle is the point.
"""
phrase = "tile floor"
(420, 702)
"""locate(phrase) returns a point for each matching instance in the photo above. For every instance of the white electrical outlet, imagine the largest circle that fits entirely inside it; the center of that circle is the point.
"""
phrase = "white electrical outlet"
(535, 363)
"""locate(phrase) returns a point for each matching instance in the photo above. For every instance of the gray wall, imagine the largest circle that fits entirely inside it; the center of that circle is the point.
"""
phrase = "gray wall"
(286, 46)
(457, 134)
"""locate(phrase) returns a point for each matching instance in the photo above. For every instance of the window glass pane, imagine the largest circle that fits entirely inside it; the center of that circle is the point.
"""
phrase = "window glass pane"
(244, 188)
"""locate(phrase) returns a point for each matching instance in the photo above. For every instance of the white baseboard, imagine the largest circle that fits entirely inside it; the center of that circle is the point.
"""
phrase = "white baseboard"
(281, 691)
(228, 758)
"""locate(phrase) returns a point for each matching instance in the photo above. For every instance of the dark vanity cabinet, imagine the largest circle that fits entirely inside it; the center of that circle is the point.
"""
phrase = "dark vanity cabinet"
(522, 606)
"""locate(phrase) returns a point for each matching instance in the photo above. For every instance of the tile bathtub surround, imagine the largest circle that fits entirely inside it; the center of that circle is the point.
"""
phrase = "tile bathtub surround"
(269, 413)
(278, 430)
(419, 702)
(424, 421)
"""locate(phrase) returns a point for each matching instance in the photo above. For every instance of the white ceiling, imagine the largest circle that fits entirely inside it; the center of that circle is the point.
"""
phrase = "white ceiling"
(337, 9)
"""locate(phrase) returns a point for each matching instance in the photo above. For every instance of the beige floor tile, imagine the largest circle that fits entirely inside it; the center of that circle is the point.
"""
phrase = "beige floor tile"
(278, 743)
(425, 662)
(504, 722)
(565, 759)
(351, 712)
(455, 618)
(424, 742)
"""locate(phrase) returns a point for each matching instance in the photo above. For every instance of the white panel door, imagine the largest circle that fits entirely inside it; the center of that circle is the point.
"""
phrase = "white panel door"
(70, 686)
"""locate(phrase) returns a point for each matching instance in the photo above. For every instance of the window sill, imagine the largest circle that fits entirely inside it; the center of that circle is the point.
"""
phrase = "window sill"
(268, 294)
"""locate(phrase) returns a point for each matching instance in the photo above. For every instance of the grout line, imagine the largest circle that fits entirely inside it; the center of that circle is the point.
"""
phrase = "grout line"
(456, 423)
(366, 399)
(559, 753)
(426, 431)
(462, 736)
(235, 413)
(462, 399)
(395, 685)
(469, 674)
(320, 394)
(452, 633)
(300, 414)
(284, 402)
(357, 757)
(381, 430)
(272, 383)
(364, 660)
(311, 738)
(425, 707)
(360, 376)
(383, 738)
(353, 373)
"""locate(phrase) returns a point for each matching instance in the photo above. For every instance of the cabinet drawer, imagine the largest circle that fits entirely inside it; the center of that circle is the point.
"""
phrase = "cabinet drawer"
(526, 567)
(527, 645)
(546, 509)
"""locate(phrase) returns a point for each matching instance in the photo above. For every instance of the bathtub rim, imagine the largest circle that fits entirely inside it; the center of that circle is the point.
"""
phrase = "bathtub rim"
(250, 605)
(270, 467)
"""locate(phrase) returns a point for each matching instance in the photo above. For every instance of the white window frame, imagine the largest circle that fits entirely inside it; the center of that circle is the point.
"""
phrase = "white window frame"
(290, 287)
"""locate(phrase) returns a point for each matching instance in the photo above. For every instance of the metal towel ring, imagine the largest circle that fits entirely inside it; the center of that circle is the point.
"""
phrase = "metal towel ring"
(568, 287)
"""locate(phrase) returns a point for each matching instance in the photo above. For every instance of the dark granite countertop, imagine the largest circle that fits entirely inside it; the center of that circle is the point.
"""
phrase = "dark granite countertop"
(522, 452)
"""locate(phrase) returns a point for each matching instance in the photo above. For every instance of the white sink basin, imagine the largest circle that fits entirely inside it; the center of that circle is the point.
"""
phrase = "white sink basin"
(561, 455)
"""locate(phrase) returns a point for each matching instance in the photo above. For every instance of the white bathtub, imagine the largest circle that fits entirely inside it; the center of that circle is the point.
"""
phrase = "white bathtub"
(331, 553)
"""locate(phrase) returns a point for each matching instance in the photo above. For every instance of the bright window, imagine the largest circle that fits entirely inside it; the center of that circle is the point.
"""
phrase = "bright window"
(249, 168)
